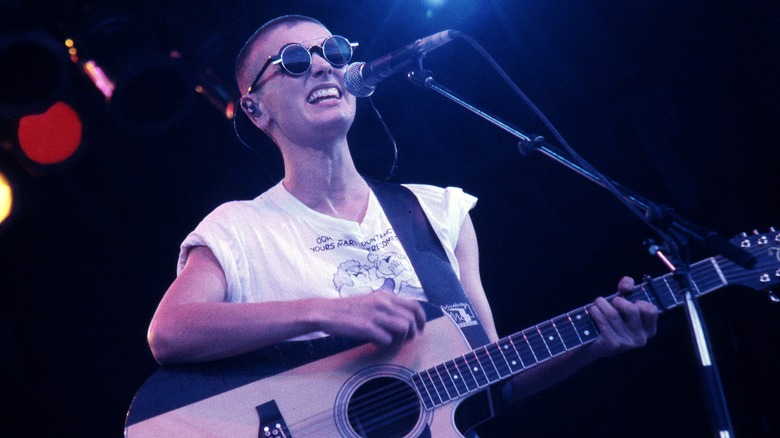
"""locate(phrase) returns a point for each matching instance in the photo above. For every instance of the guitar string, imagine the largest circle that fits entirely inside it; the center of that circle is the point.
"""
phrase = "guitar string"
(635, 294)
(380, 421)
(412, 405)
(390, 394)
(315, 420)
(387, 416)
(311, 426)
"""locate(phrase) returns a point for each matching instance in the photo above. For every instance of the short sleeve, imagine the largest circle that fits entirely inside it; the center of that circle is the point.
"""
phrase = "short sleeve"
(446, 209)
(217, 232)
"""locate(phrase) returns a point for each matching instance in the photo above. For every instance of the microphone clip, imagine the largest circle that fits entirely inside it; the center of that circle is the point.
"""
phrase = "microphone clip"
(420, 77)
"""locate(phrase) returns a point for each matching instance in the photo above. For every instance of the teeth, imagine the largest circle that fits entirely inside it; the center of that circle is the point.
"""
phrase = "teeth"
(323, 93)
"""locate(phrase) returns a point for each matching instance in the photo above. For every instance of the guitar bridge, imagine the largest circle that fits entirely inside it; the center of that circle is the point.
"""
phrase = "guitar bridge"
(272, 423)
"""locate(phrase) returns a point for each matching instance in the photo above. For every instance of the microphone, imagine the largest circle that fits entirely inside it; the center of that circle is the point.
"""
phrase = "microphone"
(361, 78)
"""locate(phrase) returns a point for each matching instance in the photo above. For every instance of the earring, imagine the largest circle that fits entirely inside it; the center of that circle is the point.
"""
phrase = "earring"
(249, 106)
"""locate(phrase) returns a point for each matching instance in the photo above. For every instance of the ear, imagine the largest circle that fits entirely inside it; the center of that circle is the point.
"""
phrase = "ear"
(255, 111)
(250, 107)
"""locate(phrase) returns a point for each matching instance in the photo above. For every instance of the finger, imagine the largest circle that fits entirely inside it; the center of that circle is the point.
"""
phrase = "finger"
(649, 314)
(417, 313)
(611, 314)
(635, 323)
(399, 324)
(399, 329)
(629, 313)
(409, 309)
(608, 340)
(626, 284)
(618, 315)
(376, 334)
(599, 316)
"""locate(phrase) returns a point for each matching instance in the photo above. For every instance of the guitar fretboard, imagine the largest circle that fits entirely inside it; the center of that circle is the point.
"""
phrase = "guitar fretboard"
(513, 354)
(664, 292)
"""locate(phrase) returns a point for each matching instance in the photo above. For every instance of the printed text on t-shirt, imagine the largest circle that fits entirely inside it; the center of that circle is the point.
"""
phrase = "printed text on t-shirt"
(374, 243)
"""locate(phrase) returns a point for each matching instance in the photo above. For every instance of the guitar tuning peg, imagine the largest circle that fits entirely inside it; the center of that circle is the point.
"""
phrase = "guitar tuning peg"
(743, 234)
(772, 229)
(772, 296)
(755, 232)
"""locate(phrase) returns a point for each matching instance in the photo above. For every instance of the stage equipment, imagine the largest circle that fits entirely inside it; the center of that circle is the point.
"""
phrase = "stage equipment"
(6, 198)
(147, 87)
(34, 64)
(52, 136)
(361, 78)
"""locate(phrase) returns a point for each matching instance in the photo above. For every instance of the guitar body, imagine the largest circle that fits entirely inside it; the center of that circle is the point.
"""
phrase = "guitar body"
(361, 391)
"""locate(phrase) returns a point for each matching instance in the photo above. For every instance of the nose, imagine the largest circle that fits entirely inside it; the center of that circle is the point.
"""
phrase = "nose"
(319, 66)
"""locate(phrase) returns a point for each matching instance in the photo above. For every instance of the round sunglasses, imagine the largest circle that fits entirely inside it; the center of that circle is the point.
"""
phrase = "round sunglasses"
(296, 60)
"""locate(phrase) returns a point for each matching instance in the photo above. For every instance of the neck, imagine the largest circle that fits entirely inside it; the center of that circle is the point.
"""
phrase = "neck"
(325, 179)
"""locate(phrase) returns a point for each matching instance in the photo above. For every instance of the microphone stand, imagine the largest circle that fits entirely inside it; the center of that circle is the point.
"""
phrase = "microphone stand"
(675, 230)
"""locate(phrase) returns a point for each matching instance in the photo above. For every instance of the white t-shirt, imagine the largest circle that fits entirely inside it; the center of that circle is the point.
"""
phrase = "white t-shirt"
(274, 248)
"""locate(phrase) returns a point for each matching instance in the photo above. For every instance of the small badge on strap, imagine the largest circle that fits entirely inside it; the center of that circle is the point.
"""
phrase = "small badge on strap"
(462, 314)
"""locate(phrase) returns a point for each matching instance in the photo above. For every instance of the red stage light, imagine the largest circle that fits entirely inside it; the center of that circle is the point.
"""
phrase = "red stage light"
(51, 137)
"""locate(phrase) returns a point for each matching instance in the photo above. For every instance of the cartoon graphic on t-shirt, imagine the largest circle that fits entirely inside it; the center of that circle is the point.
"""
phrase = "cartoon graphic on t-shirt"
(389, 271)
(355, 278)
(397, 267)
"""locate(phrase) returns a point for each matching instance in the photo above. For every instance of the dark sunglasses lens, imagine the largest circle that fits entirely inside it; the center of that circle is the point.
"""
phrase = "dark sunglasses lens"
(296, 59)
(337, 50)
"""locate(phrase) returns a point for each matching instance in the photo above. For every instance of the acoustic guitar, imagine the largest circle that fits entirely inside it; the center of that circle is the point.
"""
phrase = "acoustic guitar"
(433, 386)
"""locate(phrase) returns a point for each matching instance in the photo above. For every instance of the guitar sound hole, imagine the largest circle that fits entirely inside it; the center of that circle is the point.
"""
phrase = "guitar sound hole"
(383, 407)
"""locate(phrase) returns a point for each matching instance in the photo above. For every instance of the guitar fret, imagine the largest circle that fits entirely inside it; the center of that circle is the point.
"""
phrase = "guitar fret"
(707, 275)
(648, 298)
(430, 387)
(438, 386)
(511, 355)
(524, 349)
(491, 372)
(449, 385)
(457, 377)
(567, 331)
(551, 338)
(534, 338)
(669, 287)
(584, 325)
(652, 296)
(662, 291)
(468, 377)
(717, 269)
(422, 389)
(499, 361)
(476, 369)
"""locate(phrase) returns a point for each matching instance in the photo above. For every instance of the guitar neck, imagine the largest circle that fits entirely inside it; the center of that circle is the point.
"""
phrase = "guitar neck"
(518, 352)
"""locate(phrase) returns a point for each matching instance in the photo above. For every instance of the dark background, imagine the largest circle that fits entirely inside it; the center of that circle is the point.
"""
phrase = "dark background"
(677, 100)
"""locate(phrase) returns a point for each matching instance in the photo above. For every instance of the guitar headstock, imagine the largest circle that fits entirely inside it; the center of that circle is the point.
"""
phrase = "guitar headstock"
(765, 247)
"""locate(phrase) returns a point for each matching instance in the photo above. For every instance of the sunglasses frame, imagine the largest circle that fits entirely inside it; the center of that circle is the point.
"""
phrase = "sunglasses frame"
(279, 59)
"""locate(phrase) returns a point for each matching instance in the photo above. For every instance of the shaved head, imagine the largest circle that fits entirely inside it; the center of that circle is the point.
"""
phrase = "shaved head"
(243, 74)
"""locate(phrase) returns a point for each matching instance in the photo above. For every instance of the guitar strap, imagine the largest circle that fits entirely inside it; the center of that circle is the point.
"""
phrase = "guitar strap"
(426, 253)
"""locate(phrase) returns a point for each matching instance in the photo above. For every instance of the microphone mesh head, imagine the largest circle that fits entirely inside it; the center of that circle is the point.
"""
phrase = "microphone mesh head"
(354, 82)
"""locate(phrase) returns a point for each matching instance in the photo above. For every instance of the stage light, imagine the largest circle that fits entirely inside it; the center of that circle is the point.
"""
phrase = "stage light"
(6, 198)
(146, 87)
(215, 93)
(52, 136)
(99, 78)
(33, 67)
(433, 4)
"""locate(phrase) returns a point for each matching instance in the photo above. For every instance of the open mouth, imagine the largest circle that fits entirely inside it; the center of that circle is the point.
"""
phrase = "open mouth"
(323, 94)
